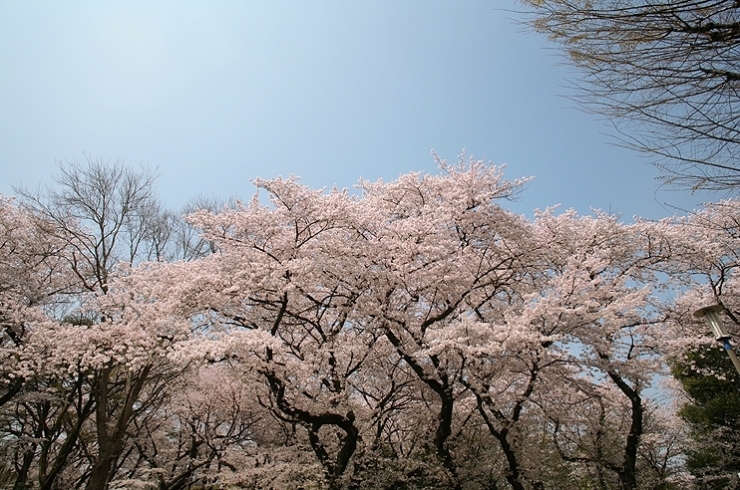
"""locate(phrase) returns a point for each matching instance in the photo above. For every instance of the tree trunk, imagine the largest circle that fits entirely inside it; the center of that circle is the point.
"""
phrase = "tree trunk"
(628, 473)
(444, 430)
(111, 442)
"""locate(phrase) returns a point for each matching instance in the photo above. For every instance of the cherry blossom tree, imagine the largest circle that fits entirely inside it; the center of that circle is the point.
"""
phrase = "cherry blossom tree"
(477, 312)
(284, 289)
(705, 251)
(104, 215)
(35, 276)
(412, 334)
(445, 251)
(305, 291)
(605, 303)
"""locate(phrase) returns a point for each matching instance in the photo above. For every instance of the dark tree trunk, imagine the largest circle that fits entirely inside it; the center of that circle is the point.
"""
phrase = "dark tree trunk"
(628, 472)
(111, 439)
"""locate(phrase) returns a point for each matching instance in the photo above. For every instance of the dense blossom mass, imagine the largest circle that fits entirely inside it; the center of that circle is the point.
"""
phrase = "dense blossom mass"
(411, 334)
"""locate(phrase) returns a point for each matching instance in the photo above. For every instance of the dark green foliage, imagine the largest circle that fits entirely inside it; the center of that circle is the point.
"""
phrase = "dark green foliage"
(713, 414)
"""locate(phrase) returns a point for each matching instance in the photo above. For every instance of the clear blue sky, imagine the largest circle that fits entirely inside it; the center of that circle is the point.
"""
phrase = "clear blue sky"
(215, 93)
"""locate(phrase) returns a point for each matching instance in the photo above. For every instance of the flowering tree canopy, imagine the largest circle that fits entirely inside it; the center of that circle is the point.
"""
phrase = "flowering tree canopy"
(414, 334)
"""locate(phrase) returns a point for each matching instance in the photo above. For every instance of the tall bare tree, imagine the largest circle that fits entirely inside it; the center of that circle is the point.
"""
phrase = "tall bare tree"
(114, 211)
(108, 214)
(667, 74)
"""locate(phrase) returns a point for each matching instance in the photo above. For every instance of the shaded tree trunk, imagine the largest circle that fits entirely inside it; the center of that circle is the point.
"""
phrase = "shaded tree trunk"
(111, 440)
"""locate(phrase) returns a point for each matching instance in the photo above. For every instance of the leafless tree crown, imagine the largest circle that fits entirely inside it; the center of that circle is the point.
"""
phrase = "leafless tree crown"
(665, 72)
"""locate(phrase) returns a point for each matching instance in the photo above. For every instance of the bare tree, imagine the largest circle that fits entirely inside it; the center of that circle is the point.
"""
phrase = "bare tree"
(665, 72)
(189, 244)
(108, 214)
(115, 215)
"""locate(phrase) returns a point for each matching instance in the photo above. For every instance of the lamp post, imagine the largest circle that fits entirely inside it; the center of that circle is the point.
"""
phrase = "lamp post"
(711, 315)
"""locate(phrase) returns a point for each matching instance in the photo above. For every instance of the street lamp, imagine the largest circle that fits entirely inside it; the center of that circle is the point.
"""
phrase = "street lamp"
(711, 315)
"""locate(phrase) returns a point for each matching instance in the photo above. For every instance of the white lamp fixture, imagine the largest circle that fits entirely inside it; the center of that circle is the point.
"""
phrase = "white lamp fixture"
(711, 315)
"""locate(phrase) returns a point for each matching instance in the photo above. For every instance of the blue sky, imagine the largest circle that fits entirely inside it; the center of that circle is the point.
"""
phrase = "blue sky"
(213, 94)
